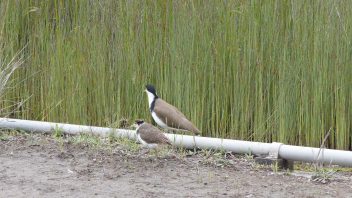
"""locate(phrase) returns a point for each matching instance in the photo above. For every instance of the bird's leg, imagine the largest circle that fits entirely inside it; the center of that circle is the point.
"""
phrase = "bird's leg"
(156, 152)
(195, 145)
(166, 130)
(143, 153)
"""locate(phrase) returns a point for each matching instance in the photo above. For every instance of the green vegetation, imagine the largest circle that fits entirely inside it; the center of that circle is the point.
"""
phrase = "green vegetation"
(252, 70)
(57, 133)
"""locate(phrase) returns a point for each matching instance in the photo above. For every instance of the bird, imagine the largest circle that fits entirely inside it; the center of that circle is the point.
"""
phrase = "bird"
(150, 136)
(167, 116)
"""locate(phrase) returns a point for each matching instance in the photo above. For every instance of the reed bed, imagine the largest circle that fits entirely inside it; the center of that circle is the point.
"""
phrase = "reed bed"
(253, 70)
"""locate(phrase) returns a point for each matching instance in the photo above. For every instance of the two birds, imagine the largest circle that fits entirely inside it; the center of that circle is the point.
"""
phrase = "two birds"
(166, 116)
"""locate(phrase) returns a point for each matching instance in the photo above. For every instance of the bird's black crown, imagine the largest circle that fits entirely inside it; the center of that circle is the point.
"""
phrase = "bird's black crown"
(151, 89)
(139, 122)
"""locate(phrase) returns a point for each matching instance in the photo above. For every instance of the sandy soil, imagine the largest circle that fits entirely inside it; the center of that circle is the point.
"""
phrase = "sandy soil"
(40, 166)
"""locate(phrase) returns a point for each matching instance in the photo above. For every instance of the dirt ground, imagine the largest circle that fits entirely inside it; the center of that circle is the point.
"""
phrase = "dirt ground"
(42, 166)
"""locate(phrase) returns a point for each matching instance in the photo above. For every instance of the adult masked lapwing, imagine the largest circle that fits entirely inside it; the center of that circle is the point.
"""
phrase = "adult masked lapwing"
(166, 115)
(149, 135)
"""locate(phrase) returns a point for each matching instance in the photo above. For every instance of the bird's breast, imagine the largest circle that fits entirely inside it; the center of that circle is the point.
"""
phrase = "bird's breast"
(158, 121)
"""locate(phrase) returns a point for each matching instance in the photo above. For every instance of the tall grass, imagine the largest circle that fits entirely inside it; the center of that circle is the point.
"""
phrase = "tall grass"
(254, 70)
(8, 65)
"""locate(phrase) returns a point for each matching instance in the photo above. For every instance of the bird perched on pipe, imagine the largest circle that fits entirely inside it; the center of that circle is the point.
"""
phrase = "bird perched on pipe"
(149, 135)
(166, 115)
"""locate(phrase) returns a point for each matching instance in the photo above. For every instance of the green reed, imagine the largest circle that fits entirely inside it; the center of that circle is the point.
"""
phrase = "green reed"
(253, 70)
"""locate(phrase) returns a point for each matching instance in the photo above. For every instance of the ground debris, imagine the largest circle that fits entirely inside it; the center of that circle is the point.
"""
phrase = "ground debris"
(37, 165)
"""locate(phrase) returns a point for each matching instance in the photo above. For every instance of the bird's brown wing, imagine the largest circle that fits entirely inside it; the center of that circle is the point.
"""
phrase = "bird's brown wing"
(173, 117)
(152, 135)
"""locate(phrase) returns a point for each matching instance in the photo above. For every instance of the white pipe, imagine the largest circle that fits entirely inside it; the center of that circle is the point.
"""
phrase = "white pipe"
(309, 154)
(73, 129)
(295, 153)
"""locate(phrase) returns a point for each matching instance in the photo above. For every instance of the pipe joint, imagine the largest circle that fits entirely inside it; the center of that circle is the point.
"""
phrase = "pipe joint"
(274, 150)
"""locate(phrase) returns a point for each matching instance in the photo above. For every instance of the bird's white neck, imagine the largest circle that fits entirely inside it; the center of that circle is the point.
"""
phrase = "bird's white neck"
(150, 98)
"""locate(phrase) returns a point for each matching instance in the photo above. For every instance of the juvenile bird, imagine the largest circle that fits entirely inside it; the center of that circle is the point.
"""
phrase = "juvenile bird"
(149, 135)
